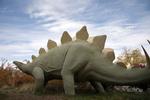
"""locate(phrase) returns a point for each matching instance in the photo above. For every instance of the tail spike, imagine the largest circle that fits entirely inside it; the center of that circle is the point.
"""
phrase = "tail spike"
(148, 41)
(65, 37)
(42, 51)
(51, 44)
(147, 57)
(99, 41)
(82, 34)
(33, 58)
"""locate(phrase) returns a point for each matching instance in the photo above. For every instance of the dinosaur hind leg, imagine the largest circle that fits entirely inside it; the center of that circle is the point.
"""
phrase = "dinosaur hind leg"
(97, 86)
(73, 63)
(67, 74)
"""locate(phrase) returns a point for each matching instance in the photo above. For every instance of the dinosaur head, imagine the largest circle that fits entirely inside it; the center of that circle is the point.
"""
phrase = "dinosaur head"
(26, 68)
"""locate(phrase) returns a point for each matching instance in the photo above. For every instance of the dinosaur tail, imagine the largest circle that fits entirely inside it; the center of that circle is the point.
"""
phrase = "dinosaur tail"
(106, 71)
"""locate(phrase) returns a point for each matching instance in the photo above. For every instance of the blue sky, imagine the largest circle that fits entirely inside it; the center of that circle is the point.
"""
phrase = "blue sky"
(26, 25)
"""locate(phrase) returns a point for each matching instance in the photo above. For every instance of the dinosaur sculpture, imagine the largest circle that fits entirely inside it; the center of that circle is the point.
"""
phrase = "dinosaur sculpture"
(82, 60)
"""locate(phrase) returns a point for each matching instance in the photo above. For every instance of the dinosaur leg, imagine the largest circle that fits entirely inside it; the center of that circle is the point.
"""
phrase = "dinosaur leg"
(39, 80)
(68, 81)
(45, 83)
(97, 86)
(73, 63)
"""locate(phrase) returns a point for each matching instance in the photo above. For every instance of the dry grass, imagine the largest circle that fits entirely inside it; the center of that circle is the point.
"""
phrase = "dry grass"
(82, 96)
(53, 92)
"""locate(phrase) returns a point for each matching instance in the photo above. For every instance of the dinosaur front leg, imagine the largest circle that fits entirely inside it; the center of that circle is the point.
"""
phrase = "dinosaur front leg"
(68, 81)
(97, 86)
(39, 80)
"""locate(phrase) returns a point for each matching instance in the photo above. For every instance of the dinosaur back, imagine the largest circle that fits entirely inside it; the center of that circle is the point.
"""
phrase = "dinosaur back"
(81, 35)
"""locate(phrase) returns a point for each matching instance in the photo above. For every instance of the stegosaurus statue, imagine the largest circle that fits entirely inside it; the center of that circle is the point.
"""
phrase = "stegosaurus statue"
(82, 59)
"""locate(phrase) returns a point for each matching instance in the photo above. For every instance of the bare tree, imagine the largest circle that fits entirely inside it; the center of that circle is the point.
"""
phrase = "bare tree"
(131, 57)
(3, 63)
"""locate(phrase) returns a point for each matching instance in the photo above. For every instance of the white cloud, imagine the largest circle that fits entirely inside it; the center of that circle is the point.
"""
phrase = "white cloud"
(21, 44)
(56, 16)
(60, 15)
(57, 8)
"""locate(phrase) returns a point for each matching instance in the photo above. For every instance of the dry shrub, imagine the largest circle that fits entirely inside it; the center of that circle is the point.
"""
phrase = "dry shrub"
(5, 76)
(22, 78)
(28, 87)
(54, 87)
(12, 77)
(56, 82)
